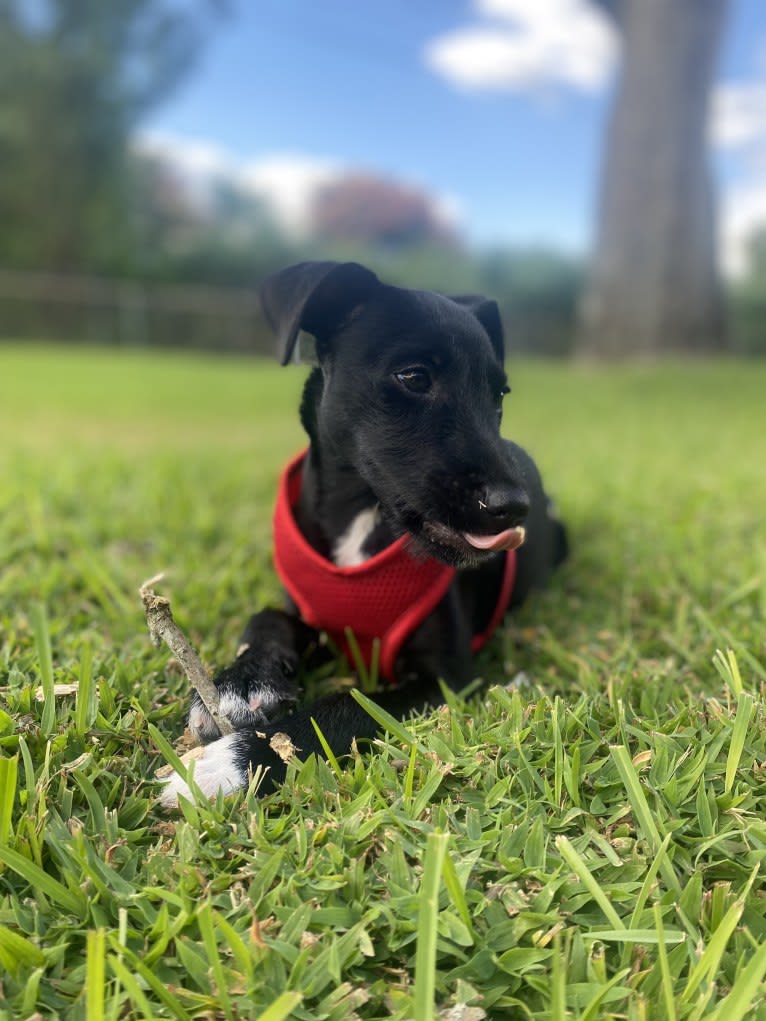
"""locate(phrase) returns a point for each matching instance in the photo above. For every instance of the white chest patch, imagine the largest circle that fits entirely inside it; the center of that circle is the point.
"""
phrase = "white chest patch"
(347, 551)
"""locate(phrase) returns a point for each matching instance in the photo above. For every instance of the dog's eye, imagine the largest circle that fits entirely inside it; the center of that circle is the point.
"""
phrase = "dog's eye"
(503, 393)
(416, 379)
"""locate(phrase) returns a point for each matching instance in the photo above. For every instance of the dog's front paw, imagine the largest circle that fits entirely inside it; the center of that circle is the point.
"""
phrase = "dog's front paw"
(219, 766)
(227, 764)
(253, 690)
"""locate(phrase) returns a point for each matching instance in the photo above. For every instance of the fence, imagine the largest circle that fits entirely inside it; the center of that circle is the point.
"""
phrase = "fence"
(129, 312)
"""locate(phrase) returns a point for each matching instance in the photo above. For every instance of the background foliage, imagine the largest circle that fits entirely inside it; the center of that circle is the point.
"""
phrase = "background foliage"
(78, 197)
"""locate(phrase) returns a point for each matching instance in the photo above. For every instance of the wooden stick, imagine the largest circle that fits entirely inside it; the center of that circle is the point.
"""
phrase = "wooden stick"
(162, 628)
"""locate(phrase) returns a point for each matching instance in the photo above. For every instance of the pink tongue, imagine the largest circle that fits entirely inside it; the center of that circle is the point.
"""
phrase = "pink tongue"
(511, 538)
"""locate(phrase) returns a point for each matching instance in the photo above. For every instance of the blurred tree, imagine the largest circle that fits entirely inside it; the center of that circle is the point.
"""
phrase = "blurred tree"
(370, 210)
(214, 231)
(75, 78)
(538, 291)
(756, 260)
(654, 284)
(747, 300)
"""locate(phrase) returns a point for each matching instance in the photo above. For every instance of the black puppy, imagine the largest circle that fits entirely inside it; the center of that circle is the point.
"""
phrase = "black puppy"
(406, 477)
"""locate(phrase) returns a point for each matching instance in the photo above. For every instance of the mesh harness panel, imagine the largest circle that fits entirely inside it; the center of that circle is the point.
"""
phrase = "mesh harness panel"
(387, 597)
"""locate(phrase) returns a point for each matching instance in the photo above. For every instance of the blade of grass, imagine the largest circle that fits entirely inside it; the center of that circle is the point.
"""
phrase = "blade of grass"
(428, 913)
(643, 895)
(18, 952)
(745, 707)
(31, 992)
(714, 951)
(642, 813)
(648, 883)
(160, 990)
(386, 720)
(281, 1008)
(736, 1006)
(457, 896)
(30, 783)
(235, 945)
(589, 1013)
(39, 619)
(426, 792)
(205, 922)
(42, 882)
(374, 671)
(169, 753)
(728, 668)
(327, 749)
(558, 766)
(558, 983)
(94, 802)
(409, 779)
(86, 704)
(578, 866)
(9, 769)
(667, 979)
(358, 664)
(95, 971)
(128, 981)
(649, 936)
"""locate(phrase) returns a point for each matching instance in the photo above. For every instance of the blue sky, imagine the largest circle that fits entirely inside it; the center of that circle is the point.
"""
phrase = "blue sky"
(496, 107)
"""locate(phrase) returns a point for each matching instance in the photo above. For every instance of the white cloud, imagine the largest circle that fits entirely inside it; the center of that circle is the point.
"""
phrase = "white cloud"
(195, 156)
(738, 114)
(447, 208)
(522, 45)
(288, 182)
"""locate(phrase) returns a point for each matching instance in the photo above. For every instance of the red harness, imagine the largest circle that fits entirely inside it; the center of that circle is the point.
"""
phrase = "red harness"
(388, 596)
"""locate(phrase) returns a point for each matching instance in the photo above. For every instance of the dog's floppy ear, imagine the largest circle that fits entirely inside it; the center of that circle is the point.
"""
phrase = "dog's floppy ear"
(488, 314)
(312, 296)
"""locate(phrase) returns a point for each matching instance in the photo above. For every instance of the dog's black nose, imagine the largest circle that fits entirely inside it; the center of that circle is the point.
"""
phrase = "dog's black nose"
(508, 505)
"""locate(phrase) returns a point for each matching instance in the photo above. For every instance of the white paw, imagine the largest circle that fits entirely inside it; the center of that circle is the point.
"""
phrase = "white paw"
(217, 767)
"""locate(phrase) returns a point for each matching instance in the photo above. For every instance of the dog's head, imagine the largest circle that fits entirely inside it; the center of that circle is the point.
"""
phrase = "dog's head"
(411, 393)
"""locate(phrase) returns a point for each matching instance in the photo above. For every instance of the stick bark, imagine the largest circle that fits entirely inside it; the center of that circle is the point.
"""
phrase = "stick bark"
(163, 628)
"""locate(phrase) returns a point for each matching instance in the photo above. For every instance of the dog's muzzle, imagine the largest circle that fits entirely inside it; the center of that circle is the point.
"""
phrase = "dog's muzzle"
(471, 545)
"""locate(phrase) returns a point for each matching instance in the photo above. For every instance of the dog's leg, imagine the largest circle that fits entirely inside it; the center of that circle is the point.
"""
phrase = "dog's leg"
(260, 684)
(226, 764)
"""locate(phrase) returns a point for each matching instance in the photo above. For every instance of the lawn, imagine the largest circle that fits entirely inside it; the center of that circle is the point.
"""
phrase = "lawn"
(588, 846)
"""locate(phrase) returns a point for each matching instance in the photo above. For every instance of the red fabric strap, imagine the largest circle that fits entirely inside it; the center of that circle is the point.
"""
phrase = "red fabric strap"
(501, 606)
(388, 596)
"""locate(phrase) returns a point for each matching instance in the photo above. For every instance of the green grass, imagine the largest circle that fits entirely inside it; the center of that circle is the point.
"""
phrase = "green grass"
(588, 847)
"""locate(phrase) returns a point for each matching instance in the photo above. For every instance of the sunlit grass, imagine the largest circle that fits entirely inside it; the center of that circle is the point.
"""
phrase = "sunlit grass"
(603, 827)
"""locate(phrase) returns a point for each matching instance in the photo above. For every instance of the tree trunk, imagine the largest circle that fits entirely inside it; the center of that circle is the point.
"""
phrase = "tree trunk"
(654, 282)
